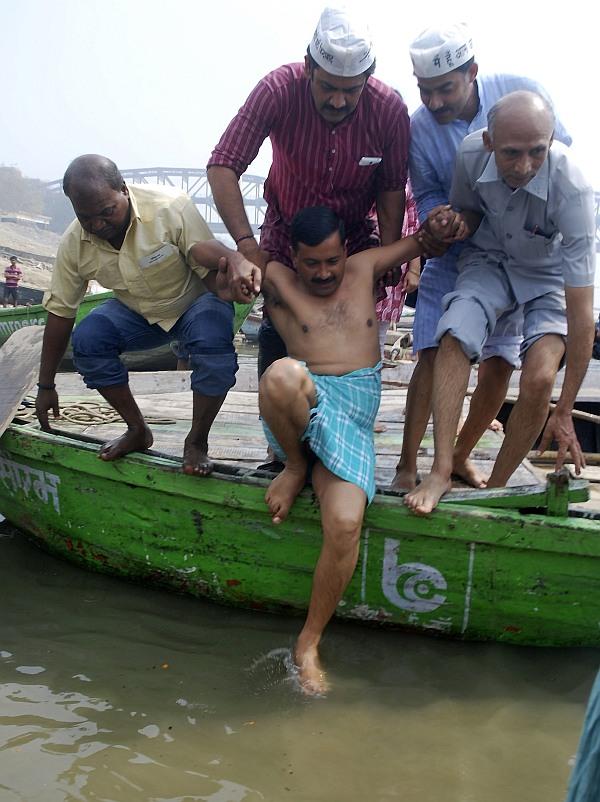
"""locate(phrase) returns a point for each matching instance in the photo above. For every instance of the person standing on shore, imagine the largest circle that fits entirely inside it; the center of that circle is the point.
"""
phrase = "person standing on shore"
(12, 276)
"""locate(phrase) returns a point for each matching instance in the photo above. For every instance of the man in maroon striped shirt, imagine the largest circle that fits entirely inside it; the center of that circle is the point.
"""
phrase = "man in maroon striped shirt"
(340, 139)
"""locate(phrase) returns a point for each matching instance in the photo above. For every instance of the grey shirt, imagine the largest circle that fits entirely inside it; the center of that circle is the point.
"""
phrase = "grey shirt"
(543, 233)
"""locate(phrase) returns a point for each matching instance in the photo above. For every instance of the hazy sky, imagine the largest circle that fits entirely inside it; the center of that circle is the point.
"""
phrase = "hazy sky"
(154, 82)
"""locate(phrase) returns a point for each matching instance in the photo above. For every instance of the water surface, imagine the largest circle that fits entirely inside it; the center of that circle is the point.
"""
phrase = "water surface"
(114, 692)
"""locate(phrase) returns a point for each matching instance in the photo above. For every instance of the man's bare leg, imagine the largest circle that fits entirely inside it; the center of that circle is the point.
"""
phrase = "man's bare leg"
(492, 384)
(418, 410)
(138, 436)
(342, 510)
(450, 380)
(285, 397)
(529, 414)
(195, 447)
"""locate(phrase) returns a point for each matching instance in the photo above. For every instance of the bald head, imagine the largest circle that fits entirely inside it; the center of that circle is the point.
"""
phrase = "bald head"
(520, 133)
(99, 196)
(522, 108)
(91, 170)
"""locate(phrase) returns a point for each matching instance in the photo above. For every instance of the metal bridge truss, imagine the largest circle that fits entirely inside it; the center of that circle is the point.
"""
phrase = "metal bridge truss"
(195, 183)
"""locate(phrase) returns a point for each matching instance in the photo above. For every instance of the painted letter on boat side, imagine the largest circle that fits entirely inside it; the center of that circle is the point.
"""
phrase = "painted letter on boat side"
(19, 477)
(410, 586)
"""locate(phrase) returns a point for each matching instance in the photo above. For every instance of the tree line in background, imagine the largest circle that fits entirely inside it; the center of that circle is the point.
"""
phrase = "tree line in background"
(30, 195)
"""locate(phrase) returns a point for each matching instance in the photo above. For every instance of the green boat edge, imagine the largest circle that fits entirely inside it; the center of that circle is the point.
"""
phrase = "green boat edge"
(481, 567)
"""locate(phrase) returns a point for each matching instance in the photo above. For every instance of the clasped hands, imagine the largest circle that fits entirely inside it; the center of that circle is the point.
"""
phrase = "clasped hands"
(239, 279)
(443, 226)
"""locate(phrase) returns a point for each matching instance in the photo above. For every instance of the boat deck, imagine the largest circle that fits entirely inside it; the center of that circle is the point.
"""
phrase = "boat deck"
(237, 437)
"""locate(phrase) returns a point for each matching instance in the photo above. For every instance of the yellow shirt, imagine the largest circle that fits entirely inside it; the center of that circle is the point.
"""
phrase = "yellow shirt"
(153, 273)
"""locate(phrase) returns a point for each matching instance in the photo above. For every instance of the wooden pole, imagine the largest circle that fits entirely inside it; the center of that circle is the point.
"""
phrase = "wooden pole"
(549, 457)
(577, 413)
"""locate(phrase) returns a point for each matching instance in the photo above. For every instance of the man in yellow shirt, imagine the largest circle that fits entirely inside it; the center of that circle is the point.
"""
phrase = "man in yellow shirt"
(157, 254)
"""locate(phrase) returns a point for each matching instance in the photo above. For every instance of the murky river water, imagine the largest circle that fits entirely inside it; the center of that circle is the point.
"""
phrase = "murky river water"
(113, 692)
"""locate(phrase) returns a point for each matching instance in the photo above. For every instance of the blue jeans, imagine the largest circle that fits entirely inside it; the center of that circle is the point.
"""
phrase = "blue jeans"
(205, 330)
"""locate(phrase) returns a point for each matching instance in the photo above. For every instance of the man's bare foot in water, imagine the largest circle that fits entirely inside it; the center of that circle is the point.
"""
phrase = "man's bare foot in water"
(496, 426)
(283, 490)
(132, 440)
(425, 497)
(404, 480)
(195, 459)
(466, 471)
(311, 677)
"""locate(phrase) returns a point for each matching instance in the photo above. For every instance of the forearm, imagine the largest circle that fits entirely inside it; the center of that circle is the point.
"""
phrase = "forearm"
(399, 252)
(580, 338)
(56, 338)
(208, 253)
(242, 274)
(229, 202)
(390, 215)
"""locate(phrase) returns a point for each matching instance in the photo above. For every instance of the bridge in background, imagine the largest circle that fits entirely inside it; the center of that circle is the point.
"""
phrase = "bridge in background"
(195, 183)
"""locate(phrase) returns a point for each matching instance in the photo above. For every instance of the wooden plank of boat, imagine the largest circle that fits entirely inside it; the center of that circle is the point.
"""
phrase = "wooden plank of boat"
(465, 570)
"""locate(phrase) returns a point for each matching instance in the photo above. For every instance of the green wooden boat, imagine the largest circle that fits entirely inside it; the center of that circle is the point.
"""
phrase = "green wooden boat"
(507, 565)
(14, 318)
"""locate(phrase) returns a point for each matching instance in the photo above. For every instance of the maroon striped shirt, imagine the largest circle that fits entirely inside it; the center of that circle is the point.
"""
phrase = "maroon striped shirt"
(314, 162)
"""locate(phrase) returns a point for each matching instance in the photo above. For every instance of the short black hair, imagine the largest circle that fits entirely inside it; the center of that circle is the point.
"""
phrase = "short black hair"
(314, 65)
(93, 169)
(314, 225)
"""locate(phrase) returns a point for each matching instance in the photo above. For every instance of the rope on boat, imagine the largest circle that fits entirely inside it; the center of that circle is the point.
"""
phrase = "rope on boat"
(84, 413)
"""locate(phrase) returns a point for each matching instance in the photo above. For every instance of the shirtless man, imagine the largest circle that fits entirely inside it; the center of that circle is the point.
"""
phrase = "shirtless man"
(325, 395)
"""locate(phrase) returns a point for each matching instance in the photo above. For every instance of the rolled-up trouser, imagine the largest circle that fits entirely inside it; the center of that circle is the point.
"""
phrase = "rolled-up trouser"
(483, 293)
(205, 330)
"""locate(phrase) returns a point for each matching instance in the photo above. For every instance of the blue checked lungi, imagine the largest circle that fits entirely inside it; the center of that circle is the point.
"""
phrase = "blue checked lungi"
(340, 429)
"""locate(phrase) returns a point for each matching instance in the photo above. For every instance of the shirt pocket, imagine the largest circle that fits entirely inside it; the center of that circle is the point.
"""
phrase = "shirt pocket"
(353, 175)
(161, 278)
(534, 246)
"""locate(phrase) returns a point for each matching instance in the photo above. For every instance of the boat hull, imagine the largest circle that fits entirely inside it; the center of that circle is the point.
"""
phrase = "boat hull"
(465, 571)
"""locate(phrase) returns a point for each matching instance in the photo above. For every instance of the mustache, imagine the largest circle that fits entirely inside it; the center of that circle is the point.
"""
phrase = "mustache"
(323, 280)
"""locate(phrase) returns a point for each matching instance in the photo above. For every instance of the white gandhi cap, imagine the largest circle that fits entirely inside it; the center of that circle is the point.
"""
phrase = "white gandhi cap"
(437, 51)
(341, 45)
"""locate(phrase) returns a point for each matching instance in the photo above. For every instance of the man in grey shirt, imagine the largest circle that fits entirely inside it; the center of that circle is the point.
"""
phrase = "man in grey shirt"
(530, 213)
